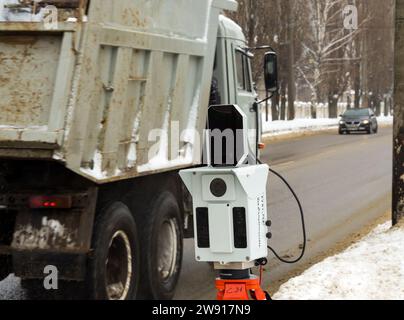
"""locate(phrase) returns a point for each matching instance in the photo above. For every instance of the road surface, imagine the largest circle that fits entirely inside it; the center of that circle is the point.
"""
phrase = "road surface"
(344, 183)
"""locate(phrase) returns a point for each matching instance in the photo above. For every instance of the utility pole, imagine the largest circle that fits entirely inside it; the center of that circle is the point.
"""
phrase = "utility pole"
(398, 156)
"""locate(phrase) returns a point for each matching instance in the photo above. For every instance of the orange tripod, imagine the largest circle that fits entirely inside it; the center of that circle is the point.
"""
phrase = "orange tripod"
(247, 288)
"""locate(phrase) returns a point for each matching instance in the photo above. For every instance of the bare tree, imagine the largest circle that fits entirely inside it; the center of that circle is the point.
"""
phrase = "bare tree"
(326, 47)
(290, 11)
(377, 59)
(320, 60)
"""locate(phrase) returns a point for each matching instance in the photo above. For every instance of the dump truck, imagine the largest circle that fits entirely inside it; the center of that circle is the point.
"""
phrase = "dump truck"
(101, 104)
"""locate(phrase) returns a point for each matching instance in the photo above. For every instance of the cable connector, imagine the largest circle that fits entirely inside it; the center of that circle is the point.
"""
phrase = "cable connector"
(261, 262)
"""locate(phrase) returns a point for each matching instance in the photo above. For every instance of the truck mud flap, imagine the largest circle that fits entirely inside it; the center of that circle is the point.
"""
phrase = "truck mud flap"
(59, 237)
(31, 264)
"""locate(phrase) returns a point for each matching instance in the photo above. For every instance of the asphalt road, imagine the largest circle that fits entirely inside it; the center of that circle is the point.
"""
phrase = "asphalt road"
(344, 182)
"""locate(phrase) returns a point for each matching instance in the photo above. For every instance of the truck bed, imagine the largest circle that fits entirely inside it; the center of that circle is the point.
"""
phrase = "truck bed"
(111, 88)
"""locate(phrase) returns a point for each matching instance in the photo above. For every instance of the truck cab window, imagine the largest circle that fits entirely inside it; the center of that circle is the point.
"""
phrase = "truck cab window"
(215, 98)
(243, 72)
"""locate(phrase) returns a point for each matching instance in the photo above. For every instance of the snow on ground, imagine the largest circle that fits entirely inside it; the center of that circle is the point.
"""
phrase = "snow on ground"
(306, 125)
(284, 127)
(371, 269)
(10, 289)
(22, 15)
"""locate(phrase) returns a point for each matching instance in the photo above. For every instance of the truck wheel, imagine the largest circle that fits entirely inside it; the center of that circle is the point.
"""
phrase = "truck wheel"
(113, 272)
(161, 248)
(5, 269)
(113, 269)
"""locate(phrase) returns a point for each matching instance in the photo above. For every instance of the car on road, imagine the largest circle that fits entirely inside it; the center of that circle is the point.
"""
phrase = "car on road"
(358, 120)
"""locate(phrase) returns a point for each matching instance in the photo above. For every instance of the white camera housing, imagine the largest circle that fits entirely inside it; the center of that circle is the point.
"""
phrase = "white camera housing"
(230, 221)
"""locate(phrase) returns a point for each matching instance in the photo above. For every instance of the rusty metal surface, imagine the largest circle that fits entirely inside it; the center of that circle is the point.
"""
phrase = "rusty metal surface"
(36, 27)
(22, 10)
(65, 230)
(25, 153)
(28, 264)
(27, 76)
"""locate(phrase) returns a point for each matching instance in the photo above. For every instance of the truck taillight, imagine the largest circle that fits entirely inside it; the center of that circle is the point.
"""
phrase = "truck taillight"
(50, 202)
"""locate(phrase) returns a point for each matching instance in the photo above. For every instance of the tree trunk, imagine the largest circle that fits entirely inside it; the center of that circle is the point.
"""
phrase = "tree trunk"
(275, 107)
(377, 105)
(313, 107)
(283, 102)
(357, 85)
(332, 106)
(364, 68)
(291, 62)
(357, 99)
(398, 159)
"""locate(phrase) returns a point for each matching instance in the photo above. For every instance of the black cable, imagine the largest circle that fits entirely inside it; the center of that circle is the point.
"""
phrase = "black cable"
(258, 120)
(301, 215)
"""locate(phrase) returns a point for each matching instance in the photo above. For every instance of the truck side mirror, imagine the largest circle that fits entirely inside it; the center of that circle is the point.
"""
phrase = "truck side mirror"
(271, 71)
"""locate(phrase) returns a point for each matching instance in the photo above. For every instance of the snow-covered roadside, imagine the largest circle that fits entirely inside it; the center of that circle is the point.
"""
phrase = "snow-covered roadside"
(277, 128)
(371, 269)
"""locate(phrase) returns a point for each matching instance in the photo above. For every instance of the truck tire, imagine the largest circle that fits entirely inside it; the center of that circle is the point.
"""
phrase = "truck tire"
(161, 248)
(113, 269)
(113, 272)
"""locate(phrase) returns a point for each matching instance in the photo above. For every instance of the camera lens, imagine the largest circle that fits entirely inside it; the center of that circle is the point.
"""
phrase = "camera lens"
(218, 188)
